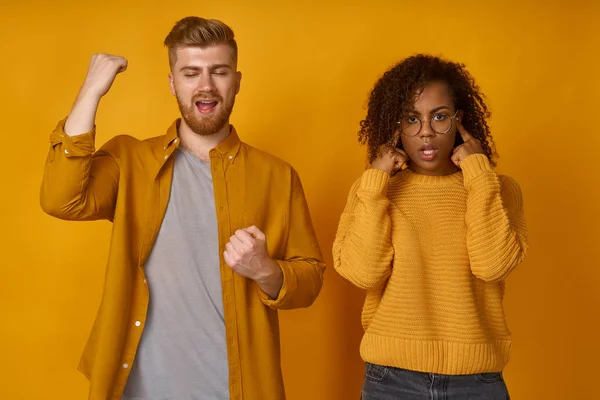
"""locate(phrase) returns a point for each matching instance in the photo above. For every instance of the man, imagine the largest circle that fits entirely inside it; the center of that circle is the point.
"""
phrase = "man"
(218, 232)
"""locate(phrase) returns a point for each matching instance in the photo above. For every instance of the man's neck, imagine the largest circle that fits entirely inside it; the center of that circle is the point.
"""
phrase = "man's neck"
(201, 145)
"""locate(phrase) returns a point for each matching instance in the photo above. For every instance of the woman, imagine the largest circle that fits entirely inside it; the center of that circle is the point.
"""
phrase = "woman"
(433, 242)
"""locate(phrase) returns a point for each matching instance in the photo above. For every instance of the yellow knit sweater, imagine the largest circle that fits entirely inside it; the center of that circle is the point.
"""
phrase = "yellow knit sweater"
(432, 253)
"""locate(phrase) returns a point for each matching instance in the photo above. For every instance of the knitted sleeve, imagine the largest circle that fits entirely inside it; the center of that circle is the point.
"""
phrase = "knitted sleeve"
(496, 227)
(362, 250)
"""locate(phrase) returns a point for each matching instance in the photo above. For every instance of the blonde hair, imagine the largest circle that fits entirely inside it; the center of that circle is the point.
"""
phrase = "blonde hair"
(198, 32)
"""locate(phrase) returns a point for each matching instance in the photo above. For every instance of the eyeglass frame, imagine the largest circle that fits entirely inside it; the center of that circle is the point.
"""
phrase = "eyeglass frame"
(429, 121)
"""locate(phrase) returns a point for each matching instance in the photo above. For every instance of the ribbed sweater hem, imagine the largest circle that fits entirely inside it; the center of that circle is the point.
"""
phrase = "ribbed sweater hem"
(436, 356)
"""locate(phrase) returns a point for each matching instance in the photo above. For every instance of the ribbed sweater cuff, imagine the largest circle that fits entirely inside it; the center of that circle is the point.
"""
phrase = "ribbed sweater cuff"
(374, 180)
(475, 165)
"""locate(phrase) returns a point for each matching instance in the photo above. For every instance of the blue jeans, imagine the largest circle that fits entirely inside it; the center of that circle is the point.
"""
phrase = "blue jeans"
(389, 383)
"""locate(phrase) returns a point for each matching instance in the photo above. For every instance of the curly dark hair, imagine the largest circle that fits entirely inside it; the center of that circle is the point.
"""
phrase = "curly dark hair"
(399, 86)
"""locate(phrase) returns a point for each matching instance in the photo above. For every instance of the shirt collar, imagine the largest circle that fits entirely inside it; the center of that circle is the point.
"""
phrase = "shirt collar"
(228, 148)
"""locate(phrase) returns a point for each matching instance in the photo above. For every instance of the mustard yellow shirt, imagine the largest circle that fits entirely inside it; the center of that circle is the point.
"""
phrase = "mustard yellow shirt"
(128, 182)
(432, 253)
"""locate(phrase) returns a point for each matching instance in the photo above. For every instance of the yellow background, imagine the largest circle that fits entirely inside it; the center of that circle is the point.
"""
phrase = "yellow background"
(308, 67)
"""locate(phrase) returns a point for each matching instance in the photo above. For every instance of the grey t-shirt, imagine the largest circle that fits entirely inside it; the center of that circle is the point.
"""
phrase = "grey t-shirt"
(182, 354)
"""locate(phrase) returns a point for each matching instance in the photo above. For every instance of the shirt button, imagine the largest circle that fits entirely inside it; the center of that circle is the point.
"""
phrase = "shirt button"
(66, 151)
(231, 157)
(176, 140)
(137, 323)
(145, 281)
(125, 366)
(166, 156)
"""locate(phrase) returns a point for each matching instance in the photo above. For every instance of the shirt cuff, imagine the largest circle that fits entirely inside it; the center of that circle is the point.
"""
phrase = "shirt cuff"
(73, 146)
(287, 288)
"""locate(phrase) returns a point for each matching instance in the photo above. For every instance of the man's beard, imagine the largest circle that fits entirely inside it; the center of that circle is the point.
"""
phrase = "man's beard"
(209, 124)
